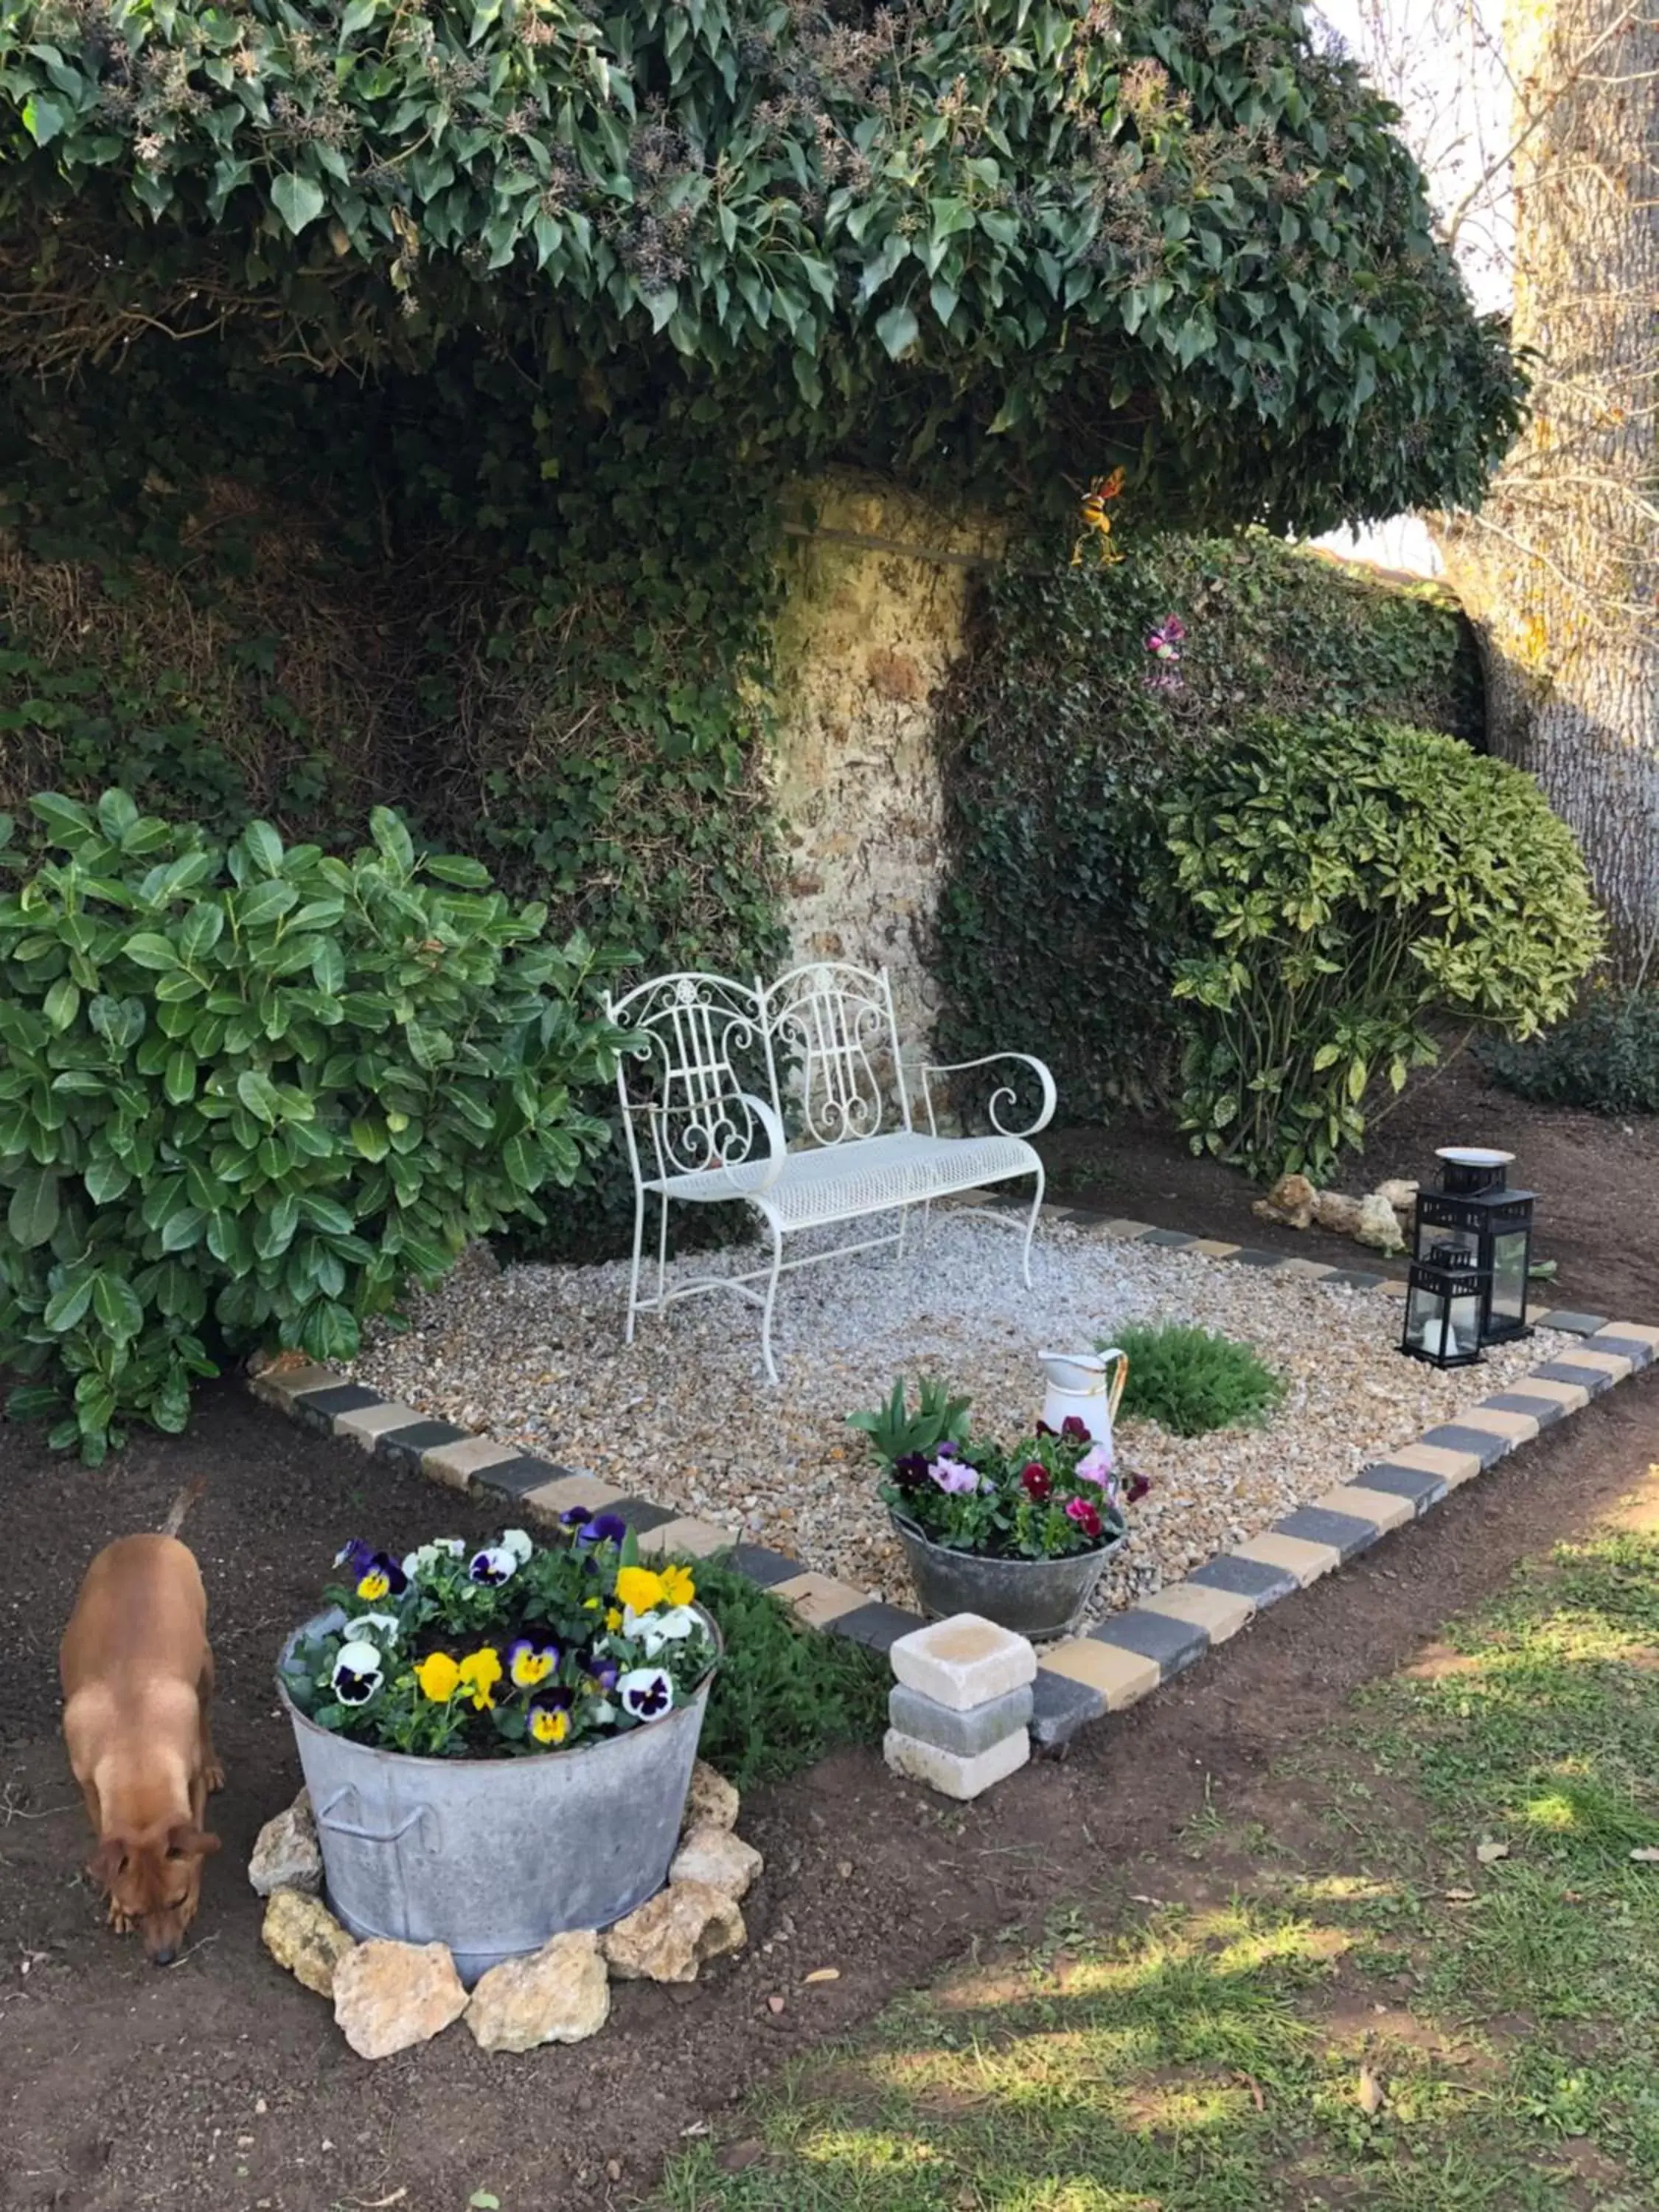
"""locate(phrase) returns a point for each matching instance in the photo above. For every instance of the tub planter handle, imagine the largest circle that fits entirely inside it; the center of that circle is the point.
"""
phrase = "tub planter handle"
(325, 1820)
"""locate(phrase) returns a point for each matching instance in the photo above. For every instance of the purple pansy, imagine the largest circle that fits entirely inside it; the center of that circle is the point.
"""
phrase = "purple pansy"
(954, 1477)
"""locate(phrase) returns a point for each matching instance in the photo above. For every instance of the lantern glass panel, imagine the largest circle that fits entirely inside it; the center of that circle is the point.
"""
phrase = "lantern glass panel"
(1509, 1278)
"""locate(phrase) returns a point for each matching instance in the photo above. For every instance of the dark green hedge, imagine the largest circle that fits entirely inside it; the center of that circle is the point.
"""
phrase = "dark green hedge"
(1056, 750)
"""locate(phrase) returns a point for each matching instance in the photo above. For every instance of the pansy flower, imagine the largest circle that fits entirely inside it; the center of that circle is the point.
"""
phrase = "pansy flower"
(439, 1676)
(602, 1674)
(1135, 1487)
(372, 1627)
(355, 1556)
(603, 1529)
(910, 1472)
(639, 1590)
(516, 1541)
(493, 1566)
(428, 1555)
(1086, 1517)
(480, 1671)
(1074, 1430)
(550, 1717)
(382, 1578)
(358, 1672)
(1036, 1482)
(528, 1663)
(646, 1693)
(1096, 1465)
(671, 1626)
(953, 1476)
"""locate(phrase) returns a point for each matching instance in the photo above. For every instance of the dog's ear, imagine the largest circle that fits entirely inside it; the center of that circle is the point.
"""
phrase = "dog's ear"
(106, 1862)
(187, 1843)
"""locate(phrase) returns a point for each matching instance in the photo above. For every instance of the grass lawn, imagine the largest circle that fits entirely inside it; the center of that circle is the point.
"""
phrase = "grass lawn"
(1415, 1970)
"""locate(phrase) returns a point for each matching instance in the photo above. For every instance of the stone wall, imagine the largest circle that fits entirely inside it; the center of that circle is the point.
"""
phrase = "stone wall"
(878, 586)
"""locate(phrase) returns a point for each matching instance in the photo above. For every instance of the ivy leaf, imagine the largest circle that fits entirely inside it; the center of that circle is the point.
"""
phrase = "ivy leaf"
(43, 119)
(299, 200)
(898, 329)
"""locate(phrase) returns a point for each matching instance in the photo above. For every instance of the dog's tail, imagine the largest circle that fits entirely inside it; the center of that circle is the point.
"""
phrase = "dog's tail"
(181, 1505)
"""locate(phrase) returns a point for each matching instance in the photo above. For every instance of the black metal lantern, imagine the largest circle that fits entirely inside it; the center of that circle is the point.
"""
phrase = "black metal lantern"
(1446, 1294)
(1475, 1210)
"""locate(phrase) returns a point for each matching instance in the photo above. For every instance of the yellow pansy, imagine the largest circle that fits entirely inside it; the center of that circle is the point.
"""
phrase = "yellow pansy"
(374, 1586)
(480, 1671)
(439, 1677)
(547, 1727)
(613, 1619)
(639, 1589)
(678, 1587)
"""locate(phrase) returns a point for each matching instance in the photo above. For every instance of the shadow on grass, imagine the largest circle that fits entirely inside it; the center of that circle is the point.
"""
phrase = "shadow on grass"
(1415, 1971)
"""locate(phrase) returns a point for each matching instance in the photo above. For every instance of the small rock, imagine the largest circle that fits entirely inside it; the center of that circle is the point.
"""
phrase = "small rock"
(560, 1994)
(1378, 1225)
(1333, 1211)
(389, 1997)
(1397, 1193)
(711, 1802)
(286, 1856)
(1290, 1200)
(301, 1934)
(674, 1933)
(718, 1857)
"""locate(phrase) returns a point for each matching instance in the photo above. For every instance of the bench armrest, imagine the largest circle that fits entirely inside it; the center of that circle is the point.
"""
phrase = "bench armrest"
(1000, 1098)
(777, 1150)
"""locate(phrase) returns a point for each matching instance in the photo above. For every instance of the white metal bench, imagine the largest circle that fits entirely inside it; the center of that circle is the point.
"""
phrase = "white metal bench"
(704, 1085)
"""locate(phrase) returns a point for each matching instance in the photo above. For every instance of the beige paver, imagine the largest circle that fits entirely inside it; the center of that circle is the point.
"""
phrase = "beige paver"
(368, 1422)
(817, 1599)
(1380, 1507)
(1306, 1561)
(1121, 1226)
(567, 1490)
(1606, 1362)
(1451, 1467)
(1638, 1331)
(457, 1464)
(1220, 1612)
(280, 1385)
(1314, 1270)
(1120, 1677)
(1499, 1421)
(694, 1539)
(1212, 1249)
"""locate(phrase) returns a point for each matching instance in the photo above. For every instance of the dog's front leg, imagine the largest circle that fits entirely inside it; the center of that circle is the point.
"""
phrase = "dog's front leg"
(213, 1775)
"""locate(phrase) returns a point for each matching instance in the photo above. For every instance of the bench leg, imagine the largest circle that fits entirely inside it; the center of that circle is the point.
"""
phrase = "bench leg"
(639, 1248)
(1031, 1225)
(771, 1299)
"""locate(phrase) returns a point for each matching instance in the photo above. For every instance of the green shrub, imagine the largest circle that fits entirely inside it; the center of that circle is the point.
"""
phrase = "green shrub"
(1058, 752)
(250, 1095)
(1353, 880)
(1605, 1057)
(784, 1695)
(1190, 1381)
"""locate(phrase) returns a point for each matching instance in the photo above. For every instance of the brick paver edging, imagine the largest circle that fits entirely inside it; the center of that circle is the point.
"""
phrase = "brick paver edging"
(1129, 1653)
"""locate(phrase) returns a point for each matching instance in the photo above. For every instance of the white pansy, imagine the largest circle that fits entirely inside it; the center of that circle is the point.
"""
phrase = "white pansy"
(359, 1671)
(671, 1626)
(515, 1541)
(371, 1625)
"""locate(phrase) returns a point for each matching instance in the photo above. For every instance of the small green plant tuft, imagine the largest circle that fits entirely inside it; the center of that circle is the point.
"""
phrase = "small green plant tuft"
(1604, 1057)
(1190, 1381)
(784, 1695)
(896, 1432)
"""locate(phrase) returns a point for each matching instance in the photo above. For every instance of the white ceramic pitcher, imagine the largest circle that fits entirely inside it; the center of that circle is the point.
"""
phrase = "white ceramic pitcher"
(1078, 1386)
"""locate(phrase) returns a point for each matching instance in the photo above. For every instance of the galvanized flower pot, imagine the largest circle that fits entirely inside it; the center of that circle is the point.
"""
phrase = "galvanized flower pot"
(1034, 1597)
(493, 1855)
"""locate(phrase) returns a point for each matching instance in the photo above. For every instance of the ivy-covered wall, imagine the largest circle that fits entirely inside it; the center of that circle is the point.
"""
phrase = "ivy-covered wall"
(1056, 741)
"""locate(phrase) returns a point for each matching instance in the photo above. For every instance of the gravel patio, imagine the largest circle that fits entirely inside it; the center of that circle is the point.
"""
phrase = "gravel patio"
(533, 1356)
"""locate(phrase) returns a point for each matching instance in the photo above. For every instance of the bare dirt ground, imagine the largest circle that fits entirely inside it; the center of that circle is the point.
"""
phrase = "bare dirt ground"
(220, 2085)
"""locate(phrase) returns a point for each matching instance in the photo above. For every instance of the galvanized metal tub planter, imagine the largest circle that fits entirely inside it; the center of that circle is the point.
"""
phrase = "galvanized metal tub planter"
(1034, 1597)
(493, 1855)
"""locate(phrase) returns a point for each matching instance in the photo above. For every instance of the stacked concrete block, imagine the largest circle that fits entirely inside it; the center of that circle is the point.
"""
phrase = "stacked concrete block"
(961, 1705)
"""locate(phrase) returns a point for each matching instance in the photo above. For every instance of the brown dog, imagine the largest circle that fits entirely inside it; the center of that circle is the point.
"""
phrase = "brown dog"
(137, 1676)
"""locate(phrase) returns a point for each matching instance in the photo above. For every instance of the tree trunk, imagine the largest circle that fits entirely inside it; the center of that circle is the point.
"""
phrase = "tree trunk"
(1560, 570)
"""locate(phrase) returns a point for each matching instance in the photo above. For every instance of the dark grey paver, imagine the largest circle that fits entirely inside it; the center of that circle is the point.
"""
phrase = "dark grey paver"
(406, 1445)
(1452, 1436)
(877, 1626)
(1174, 1644)
(1246, 1578)
(1315, 1524)
(1423, 1490)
